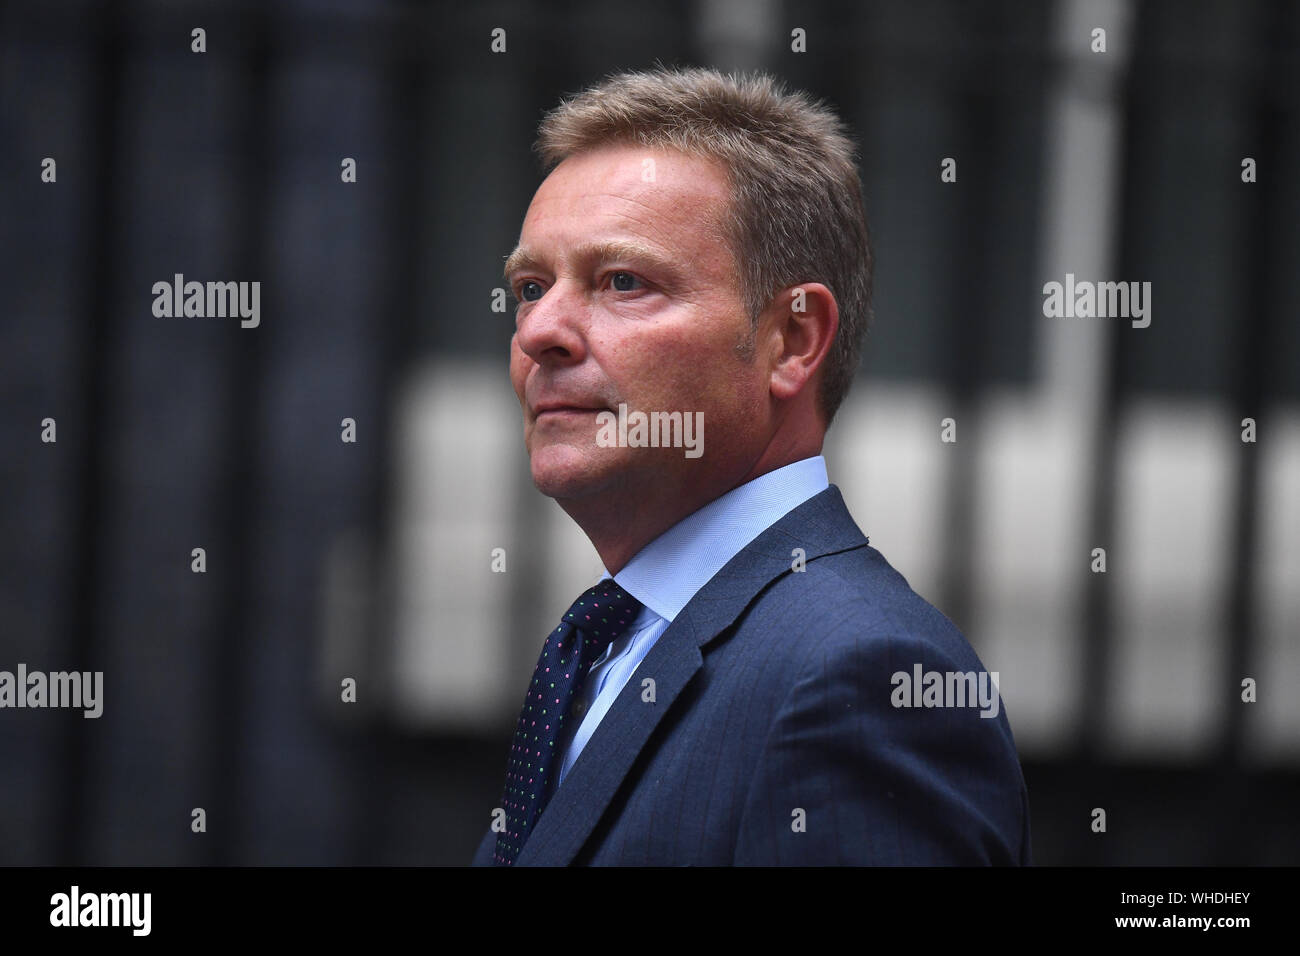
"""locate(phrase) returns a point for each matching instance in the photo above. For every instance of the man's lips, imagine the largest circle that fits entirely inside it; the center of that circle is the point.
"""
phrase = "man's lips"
(560, 409)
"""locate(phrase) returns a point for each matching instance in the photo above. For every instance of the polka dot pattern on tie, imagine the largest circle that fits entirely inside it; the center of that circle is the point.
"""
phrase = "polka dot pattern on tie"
(598, 617)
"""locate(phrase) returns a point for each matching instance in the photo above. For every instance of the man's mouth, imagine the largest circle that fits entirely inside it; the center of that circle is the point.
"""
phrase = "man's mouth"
(558, 411)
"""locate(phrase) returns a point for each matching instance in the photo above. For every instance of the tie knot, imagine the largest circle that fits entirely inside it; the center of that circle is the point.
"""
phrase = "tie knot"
(602, 613)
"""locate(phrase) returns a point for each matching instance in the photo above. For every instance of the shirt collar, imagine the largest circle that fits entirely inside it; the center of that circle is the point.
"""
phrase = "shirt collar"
(667, 572)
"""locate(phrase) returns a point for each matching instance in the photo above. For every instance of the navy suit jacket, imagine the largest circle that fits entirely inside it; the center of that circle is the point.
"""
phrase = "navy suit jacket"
(772, 695)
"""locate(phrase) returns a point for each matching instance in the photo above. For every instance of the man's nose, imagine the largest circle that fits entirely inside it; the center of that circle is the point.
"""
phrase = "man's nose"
(551, 330)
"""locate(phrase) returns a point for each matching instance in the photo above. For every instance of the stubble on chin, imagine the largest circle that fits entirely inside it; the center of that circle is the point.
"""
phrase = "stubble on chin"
(565, 472)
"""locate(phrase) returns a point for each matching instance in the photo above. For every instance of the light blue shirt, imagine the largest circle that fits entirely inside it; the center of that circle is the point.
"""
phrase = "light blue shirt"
(668, 572)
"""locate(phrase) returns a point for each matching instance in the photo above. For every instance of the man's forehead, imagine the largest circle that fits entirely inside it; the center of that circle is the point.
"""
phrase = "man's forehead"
(609, 204)
(614, 180)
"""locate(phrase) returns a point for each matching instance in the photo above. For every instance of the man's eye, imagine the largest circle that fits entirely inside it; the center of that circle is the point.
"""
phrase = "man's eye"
(530, 291)
(623, 282)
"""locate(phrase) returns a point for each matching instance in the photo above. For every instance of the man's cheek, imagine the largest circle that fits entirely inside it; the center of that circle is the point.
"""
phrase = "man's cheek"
(685, 393)
(518, 373)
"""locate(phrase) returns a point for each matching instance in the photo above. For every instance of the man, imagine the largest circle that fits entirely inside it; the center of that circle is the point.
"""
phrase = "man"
(732, 691)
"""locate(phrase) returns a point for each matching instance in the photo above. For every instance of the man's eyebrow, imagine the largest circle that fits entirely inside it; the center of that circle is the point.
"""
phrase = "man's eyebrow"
(605, 250)
(518, 260)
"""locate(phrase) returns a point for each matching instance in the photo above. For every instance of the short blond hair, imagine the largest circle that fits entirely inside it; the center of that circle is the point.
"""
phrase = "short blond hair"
(796, 211)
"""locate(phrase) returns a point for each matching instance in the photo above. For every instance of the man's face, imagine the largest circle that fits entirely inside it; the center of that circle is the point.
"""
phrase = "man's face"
(628, 294)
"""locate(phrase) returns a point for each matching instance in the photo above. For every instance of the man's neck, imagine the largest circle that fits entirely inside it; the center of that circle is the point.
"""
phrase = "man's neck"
(622, 521)
(621, 526)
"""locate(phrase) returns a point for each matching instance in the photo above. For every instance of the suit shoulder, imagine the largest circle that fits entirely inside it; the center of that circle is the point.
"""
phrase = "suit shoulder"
(851, 595)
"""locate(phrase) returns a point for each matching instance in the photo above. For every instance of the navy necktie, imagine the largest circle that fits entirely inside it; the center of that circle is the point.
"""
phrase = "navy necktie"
(598, 617)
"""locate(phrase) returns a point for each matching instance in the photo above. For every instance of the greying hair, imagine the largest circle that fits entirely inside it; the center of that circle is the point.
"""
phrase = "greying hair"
(796, 210)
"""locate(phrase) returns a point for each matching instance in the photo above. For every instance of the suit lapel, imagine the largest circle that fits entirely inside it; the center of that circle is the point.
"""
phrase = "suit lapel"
(819, 526)
(599, 770)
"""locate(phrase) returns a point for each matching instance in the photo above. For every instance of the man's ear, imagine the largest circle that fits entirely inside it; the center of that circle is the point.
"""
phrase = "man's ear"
(799, 328)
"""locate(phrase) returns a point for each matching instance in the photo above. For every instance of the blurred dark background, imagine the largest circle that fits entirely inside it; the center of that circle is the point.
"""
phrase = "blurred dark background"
(371, 559)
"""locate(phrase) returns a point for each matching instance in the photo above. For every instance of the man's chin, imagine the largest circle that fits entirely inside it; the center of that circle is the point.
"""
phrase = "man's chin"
(560, 471)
